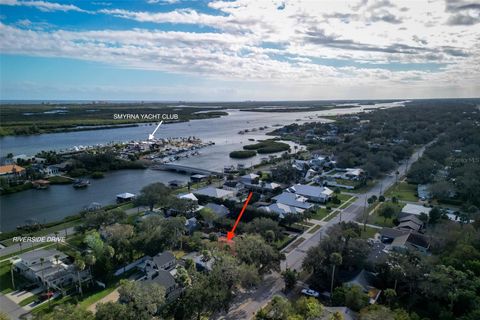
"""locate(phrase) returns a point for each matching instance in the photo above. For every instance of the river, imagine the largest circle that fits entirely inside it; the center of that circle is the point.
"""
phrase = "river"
(58, 202)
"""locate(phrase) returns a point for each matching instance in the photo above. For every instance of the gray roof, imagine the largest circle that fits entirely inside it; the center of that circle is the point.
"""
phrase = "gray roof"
(409, 225)
(311, 191)
(47, 254)
(213, 192)
(219, 209)
(392, 233)
(163, 258)
(292, 199)
(163, 278)
(411, 218)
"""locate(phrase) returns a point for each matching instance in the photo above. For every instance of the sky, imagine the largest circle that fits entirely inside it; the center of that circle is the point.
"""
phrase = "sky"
(239, 50)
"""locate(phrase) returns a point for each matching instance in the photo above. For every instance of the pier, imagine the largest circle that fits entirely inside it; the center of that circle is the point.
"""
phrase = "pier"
(185, 169)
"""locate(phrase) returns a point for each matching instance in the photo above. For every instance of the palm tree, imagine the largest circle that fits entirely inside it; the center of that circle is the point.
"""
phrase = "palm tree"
(80, 265)
(336, 260)
(90, 260)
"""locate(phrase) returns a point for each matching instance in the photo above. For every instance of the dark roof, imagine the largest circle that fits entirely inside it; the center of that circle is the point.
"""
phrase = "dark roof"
(418, 240)
(409, 225)
(163, 278)
(411, 218)
(163, 258)
(392, 233)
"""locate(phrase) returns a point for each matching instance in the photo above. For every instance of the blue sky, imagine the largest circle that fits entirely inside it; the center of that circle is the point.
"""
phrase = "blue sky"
(238, 50)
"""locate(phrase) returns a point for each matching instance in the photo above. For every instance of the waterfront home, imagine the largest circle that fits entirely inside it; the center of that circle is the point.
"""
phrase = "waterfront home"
(48, 268)
(177, 183)
(198, 177)
(51, 171)
(213, 192)
(12, 172)
(414, 209)
(293, 200)
(22, 158)
(124, 197)
(312, 193)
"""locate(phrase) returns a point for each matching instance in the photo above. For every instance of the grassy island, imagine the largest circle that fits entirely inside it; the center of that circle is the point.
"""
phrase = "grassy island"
(243, 154)
(268, 146)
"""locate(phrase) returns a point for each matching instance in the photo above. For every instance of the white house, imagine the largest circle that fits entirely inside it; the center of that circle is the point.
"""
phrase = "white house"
(213, 192)
(312, 193)
(415, 209)
(293, 200)
(281, 209)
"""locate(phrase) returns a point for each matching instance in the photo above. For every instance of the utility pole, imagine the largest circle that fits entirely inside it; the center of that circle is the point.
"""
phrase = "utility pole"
(13, 278)
(365, 215)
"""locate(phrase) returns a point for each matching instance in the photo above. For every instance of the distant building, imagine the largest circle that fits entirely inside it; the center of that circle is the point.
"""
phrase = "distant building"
(124, 197)
(12, 172)
(281, 209)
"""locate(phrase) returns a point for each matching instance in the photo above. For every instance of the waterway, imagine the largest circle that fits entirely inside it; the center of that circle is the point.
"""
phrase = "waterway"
(58, 202)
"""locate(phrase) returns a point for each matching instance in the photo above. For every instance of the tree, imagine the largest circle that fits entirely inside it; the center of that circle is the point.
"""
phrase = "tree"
(253, 250)
(387, 211)
(80, 266)
(290, 278)
(355, 299)
(208, 216)
(336, 260)
(390, 294)
(112, 311)
(280, 308)
(154, 194)
(337, 316)
(66, 311)
(265, 227)
(308, 308)
(144, 299)
(434, 215)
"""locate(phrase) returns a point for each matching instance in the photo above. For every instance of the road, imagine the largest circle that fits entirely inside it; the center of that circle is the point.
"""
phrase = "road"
(245, 307)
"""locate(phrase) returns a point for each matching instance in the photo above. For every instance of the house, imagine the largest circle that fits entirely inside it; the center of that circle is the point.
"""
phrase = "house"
(213, 192)
(262, 186)
(400, 240)
(423, 192)
(176, 183)
(22, 158)
(414, 209)
(12, 172)
(49, 268)
(160, 269)
(281, 209)
(293, 200)
(191, 224)
(198, 177)
(232, 185)
(219, 209)
(410, 240)
(187, 196)
(353, 173)
(365, 280)
(312, 193)
(124, 197)
(250, 178)
(410, 222)
(51, 171)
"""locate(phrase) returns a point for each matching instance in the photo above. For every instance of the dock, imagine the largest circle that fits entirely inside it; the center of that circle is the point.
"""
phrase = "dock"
(185, 169)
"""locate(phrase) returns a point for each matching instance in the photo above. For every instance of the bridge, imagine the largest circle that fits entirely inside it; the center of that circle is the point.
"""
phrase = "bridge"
(185, 169)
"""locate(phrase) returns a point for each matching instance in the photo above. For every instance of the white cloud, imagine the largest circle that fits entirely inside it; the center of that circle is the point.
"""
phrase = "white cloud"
(284, 44)
(43, 5)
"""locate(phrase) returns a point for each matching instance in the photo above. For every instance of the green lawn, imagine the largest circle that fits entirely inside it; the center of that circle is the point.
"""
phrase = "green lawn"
(314, 229)
(320, 213)
(403, 191)
(377, 220)
(97, 296)
(6, 278)
(28, 300)
(364, 188)
(333, 215)
(369, 232)
(283, 242)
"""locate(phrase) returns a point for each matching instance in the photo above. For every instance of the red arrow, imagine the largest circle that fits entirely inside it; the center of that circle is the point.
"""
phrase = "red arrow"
(231, 234)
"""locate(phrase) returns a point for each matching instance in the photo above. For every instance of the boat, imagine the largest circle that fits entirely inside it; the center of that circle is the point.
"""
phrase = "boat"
(229, 169)
(80, 183)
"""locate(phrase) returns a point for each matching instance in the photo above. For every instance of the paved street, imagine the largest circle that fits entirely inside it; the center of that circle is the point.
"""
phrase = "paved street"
(245, 307)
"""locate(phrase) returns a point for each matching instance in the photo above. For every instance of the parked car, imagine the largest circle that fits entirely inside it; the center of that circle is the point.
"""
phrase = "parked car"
(311, 293)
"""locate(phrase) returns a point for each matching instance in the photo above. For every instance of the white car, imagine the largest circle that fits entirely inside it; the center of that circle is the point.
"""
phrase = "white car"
(310, 292)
